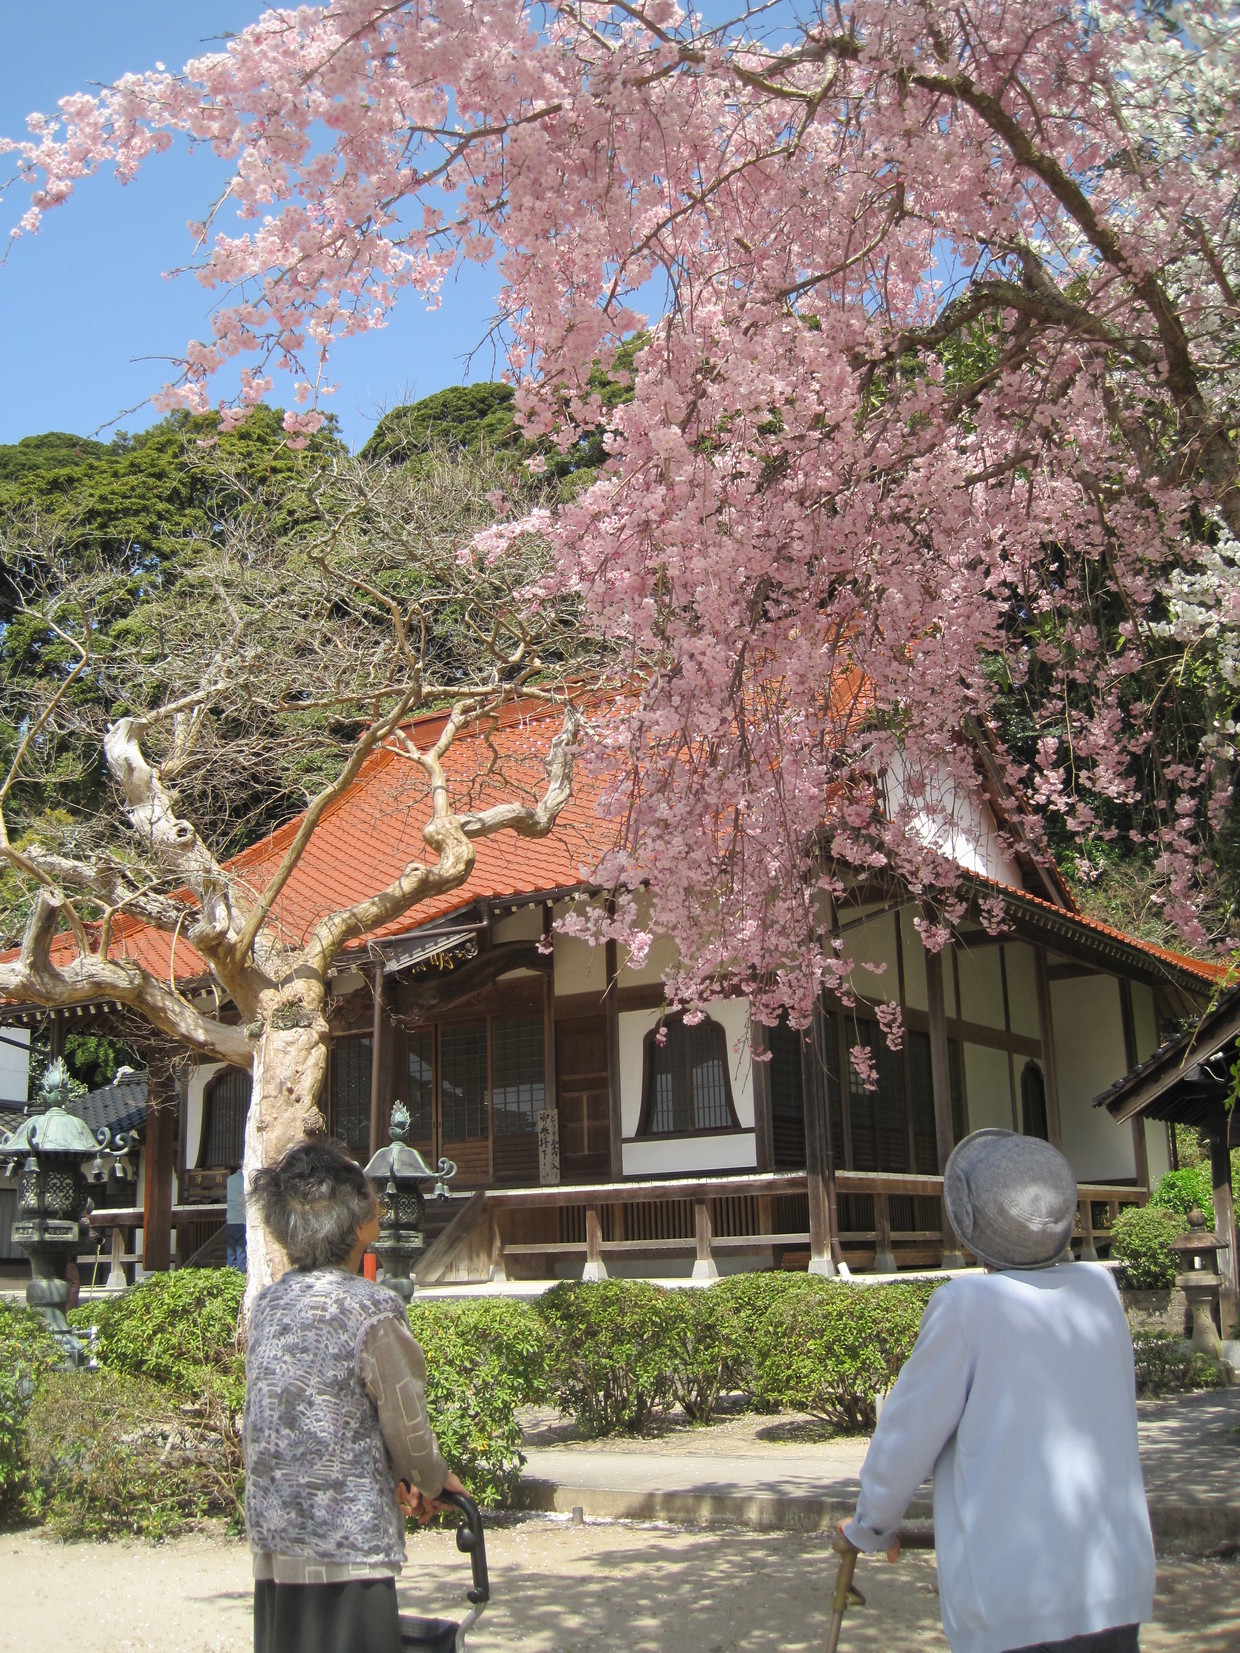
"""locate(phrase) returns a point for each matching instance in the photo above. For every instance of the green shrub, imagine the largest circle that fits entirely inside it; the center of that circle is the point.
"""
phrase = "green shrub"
(1141, 1239)
(111, 1454)
(609, 1356)
(702, 1343)
(178, 1329)
(28, 1354)
(832, 1349)
(1180, 1191)
(483, 1361)
(748, 1299)
(1167, 1365)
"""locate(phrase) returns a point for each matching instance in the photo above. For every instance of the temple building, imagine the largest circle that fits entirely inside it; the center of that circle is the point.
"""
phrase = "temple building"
(584, 1140)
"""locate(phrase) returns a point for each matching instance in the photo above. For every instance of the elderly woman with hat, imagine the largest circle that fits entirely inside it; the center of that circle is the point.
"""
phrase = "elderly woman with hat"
(1020, 1397)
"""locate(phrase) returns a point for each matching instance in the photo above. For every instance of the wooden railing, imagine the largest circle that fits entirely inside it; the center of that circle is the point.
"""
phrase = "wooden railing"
(123, 1222)
(886, 1221)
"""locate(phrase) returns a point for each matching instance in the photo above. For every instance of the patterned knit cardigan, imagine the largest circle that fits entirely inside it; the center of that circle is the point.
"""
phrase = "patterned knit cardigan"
(319, 1482)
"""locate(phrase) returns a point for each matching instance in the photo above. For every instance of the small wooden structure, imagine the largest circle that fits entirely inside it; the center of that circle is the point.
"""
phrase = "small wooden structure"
(1188, 1081)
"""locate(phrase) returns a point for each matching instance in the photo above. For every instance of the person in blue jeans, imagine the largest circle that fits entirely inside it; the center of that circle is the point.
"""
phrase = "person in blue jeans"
(234, 1220)
(1020, 1397)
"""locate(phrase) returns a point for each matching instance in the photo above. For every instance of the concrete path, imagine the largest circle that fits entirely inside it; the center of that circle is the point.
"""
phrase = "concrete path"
(1190, 1453)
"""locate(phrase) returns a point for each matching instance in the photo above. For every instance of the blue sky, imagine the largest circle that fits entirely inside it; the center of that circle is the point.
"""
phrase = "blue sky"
(85, 311)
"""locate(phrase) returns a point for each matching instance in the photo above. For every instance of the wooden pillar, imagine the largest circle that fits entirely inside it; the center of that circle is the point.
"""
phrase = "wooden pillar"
(614, 1114)
(376, 1064)
(817, 1131)
(884, 1253)
(704, 1262)
(117, 1280)
(1140, 1152)
(550, 1103)
(596, 1268)
(1089, 1249)
(160, 1162)
(763, 1129)
(941, 1083)
(1224, 1219)
(498, 1271)
(1046, 1027)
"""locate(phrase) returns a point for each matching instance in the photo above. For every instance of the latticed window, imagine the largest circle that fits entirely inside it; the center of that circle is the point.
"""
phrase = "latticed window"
(787, 1097)
(518, 1073)
(889, 1132)
(225, 1103)
(463, 1080)
(422, 1085)
(686, 1086)
(1033, 1102)
(880, 1140)
(350, 1091)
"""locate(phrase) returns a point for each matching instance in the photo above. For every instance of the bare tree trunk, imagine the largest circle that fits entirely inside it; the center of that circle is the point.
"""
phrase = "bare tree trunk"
(290, 1066)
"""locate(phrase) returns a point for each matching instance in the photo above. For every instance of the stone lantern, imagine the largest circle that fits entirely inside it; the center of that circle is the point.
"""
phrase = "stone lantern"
(1200, 1282)
(47, 1151)
(400, 1176)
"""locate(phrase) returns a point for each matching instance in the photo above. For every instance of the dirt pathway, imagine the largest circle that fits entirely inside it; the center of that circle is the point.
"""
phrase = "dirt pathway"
(558, 1589)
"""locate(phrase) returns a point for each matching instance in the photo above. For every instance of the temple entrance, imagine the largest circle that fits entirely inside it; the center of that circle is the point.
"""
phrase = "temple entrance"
(582, 1099)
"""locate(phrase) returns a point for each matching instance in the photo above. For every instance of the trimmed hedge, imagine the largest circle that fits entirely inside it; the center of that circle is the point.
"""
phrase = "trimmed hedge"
(484, 1359)
(609, 1353)
(749, 1298)
(177, 1329)
(1141, 1239)
(831, 1349)
(152, 1441)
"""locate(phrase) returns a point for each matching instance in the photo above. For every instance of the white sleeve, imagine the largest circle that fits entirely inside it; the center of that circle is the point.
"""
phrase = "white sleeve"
(918, 1419)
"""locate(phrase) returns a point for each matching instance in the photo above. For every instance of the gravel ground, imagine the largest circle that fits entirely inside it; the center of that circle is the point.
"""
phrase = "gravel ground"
(558, 1589)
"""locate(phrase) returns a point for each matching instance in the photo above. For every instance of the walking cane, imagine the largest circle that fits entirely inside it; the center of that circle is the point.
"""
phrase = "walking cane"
(843, 1596)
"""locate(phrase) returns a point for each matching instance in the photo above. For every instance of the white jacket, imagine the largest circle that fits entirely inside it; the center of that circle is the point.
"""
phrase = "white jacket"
(1020, 1396)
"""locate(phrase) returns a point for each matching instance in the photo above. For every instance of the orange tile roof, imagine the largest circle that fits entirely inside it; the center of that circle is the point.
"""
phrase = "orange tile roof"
(1208, 973)
(374, 830)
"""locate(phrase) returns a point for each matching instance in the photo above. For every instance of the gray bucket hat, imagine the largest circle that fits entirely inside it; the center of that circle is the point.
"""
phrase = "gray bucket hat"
(1011, 1199)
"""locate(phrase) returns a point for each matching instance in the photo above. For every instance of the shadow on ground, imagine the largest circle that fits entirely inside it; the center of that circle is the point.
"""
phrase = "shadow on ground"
(645, 1589)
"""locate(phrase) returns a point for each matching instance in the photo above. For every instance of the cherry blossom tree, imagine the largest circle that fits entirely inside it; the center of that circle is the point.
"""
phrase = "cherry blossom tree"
(934, 399)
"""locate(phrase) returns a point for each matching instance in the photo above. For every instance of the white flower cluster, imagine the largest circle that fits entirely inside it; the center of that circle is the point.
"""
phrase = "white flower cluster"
(1203, 607)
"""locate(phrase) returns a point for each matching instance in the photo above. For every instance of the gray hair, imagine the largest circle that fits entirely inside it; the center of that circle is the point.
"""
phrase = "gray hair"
(313, 1202)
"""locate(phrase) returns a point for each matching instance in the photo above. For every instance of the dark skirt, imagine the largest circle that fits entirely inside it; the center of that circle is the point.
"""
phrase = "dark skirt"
(1123, 1639)
(357, 1617)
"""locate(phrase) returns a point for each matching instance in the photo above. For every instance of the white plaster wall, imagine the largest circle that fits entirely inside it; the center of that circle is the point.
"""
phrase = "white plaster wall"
(914, 961)
(690, 1154)
(1157, 1149)
(987, 1087)
(523, 925)
(981, 985)
(1089, 1056)
(579, 968)
(14, 1064)
(652, 1157)
(199, 1079)
(659, 960)
(959, 825)
(1144, 1019)
(873, 944)
(1022, 988)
